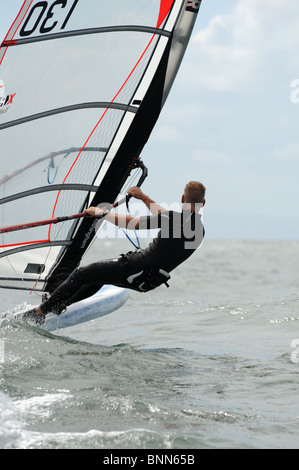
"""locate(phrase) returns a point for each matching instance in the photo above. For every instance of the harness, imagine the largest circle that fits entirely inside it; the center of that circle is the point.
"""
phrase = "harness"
(148, 279)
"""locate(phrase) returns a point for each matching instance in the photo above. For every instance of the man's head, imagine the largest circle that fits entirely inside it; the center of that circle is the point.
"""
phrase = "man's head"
(194, 193)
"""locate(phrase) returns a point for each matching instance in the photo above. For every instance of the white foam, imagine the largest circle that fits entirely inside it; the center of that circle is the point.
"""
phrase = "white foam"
(15, 312)
(11, 427)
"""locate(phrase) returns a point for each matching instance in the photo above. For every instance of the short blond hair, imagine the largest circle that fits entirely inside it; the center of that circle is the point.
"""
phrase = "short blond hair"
(194, 192)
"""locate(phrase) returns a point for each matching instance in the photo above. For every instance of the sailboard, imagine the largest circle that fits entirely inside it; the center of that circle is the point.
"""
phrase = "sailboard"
(107, 300)
(82, 85)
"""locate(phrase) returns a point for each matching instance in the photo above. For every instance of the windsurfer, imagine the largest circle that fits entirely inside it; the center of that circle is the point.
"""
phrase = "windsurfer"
(181, 233)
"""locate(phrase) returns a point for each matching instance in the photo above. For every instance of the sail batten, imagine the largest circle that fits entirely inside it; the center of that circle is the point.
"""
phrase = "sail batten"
(84, 32)
(46, 189)
(67, 109)
(90, 79)
(33, 246)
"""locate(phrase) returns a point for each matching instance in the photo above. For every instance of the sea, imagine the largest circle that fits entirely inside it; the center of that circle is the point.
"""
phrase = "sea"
(212, 362)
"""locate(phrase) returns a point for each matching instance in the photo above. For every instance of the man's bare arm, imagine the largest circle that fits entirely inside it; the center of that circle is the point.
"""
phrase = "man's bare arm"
(120, 220)
(126, 221)
(153, 207)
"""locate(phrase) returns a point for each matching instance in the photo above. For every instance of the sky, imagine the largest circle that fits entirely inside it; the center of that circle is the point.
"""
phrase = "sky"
(231, 119)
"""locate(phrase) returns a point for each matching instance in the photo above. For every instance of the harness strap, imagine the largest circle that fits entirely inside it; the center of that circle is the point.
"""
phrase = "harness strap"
(148, 279)
(137, 244)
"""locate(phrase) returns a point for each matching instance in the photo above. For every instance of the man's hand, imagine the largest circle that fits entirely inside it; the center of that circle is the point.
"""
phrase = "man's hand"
(153, 207)
(136, 192)
(94, 212)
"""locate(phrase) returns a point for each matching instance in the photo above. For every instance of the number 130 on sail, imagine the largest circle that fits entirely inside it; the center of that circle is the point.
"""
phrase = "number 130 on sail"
(46, 16)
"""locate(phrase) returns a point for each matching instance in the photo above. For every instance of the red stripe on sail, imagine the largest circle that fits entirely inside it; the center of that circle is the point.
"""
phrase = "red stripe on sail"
(165, 7)
(15, 26)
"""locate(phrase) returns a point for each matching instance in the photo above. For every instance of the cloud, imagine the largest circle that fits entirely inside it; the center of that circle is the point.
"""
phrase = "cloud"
(211, 157)
(246, 45)
(288, 153)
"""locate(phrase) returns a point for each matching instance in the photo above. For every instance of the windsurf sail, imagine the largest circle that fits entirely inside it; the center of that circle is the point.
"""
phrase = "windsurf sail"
(82, 84)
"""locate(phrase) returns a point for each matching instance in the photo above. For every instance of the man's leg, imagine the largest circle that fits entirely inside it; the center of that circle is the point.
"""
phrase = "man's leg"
(82, 283)
(83, 293)
(85, 281)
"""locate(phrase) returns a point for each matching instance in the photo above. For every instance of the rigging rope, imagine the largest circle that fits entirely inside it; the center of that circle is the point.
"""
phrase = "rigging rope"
(51, 165)
(137, 244)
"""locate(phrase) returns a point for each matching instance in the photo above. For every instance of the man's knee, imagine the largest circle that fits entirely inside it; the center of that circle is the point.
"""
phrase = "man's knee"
(76, 276)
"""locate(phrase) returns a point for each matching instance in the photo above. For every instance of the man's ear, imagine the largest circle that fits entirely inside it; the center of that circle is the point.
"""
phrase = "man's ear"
(203, 203)
(183, 198)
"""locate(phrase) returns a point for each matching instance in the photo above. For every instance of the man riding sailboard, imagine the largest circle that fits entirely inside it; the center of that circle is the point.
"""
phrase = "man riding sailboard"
(181, 233)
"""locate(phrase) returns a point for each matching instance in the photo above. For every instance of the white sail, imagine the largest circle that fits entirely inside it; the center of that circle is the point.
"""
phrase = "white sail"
(85, 82)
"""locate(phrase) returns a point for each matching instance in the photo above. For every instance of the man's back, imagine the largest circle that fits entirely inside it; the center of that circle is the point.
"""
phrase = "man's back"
(180, 235)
